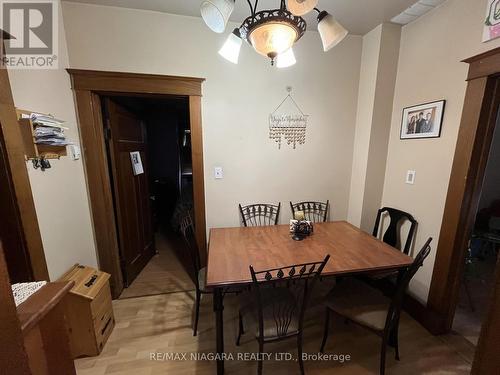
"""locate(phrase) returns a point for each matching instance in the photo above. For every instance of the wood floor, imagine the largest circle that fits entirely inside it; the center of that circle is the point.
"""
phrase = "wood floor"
(470, 313)
(163, 274)
(162, 324)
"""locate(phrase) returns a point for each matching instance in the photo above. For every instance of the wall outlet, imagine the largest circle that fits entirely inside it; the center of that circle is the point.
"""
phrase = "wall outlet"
(218, 173)
(410, 177)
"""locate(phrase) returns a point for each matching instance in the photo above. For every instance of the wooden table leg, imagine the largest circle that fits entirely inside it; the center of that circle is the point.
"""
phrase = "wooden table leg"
(219, 328)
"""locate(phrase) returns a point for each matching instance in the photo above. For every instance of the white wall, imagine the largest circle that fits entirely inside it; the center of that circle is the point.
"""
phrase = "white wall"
(237, 100)
(379, 62)
(381, 124)
(430, 69)
(365, 106)
(59, 193)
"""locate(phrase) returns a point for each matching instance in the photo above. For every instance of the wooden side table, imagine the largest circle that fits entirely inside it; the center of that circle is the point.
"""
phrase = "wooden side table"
(89, 310)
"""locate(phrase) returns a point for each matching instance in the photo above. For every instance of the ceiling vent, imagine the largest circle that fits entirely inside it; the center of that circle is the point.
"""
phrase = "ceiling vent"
(416, 10)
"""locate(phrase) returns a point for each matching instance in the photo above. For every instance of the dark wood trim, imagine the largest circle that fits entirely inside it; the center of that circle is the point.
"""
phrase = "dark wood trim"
(479, 119)
(198, 172)
(13, 358)
(50, 295)
(92, 80)
(87, 86)
(14, 146)
(422, 314)
(11, 228)
(483, 65)
(89, 115)
(474, 139)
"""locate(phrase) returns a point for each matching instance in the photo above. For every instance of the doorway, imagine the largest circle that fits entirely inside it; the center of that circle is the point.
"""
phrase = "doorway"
(148, 145)
(478, 278)
(89, 87)
(472, 153)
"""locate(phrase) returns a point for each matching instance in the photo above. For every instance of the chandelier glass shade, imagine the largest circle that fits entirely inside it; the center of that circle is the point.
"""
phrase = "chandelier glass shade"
(272, 32)
(330, 31)
(231, 49)
(216, 13)
(273, 38)
(301, 7)
(286, 59)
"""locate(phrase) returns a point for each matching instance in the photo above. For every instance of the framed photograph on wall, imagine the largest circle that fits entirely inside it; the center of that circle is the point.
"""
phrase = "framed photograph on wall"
(491, 29)
(423, 121)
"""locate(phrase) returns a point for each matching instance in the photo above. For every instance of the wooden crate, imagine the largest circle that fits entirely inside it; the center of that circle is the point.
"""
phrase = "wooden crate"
(88, 310)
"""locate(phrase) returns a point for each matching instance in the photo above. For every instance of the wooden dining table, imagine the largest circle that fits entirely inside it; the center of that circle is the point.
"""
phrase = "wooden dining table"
(232, 250)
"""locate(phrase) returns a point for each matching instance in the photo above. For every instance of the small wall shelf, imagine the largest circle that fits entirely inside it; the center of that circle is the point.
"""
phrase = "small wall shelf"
(33, 150)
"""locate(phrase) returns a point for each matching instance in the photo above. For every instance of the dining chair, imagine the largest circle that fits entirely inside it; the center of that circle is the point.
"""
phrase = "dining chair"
(198, 273)
(260, 214)
(368, 307)
(392, 235)
(313, 211)
(277, 303)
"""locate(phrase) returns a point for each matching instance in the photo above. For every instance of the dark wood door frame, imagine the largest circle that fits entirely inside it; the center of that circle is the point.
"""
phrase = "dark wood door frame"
(87, 86)
(15, 167)
(13, 358)
(469, 164)
(479, 118)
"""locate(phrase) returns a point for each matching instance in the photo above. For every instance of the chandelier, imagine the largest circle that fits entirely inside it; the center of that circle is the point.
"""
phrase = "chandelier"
(271, 32)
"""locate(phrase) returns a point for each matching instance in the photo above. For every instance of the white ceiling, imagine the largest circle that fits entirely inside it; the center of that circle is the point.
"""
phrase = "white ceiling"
(358, 16)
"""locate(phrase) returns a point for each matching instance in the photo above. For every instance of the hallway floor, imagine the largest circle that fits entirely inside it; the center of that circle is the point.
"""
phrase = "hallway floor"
(164, 273)
(470, 314)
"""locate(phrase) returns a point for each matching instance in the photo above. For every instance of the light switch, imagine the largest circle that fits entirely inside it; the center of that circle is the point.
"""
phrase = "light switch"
(218, 173)
(75, 152)
(410, 177)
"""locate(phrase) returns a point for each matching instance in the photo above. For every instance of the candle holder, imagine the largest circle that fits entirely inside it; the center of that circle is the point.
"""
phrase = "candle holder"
(300, 229)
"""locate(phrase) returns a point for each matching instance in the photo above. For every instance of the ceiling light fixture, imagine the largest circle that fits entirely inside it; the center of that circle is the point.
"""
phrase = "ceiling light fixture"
(231, 48)
(331, 32)
(271, 32)
(286, 59)
(216, 13)
(301, 7)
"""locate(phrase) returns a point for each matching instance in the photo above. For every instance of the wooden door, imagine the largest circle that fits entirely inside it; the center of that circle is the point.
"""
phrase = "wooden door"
(126, 133)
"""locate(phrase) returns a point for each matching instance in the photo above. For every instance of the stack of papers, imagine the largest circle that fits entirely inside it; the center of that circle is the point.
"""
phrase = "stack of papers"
(48, 121)
(49, 130)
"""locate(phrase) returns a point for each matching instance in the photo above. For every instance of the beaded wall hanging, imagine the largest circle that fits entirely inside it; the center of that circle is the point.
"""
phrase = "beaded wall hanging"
(290, 127)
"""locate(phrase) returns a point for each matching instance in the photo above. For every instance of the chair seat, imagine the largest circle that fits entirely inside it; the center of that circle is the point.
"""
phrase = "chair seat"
(360, 303)
(271, 297)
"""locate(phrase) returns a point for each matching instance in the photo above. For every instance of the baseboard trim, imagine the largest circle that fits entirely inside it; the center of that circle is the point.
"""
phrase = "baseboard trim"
(431, 320)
